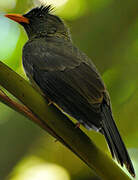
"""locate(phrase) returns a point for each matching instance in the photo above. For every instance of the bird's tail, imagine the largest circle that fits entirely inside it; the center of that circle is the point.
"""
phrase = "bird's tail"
(114, 140)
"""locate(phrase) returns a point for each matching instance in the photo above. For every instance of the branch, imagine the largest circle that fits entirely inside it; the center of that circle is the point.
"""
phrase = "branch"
(25, 112)
(22, 109)
(72, 137)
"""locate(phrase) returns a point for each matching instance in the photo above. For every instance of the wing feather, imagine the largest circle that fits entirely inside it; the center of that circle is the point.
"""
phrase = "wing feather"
(68, 78)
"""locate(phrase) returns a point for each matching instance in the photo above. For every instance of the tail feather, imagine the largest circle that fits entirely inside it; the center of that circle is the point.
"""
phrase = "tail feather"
(114, 140)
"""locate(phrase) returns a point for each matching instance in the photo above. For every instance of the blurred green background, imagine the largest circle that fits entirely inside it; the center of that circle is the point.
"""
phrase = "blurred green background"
(107, 31)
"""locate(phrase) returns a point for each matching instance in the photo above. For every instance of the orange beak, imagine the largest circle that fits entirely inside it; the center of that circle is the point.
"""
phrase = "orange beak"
(18, 18)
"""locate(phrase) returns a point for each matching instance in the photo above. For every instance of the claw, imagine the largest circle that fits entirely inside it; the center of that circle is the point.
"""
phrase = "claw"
(77, 125)
(56, 140)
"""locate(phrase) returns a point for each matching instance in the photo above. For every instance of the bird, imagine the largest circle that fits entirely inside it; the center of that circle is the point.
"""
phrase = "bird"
(68, 78)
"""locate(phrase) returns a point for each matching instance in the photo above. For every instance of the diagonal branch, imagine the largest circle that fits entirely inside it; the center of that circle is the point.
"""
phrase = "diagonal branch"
(22, 109)
(73, 138)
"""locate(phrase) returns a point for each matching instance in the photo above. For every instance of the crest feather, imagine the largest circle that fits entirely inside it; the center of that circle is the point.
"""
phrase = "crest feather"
(40, 11)
(45, 9)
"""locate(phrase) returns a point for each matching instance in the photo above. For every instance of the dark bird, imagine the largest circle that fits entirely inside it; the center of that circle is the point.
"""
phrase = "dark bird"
(68, 78)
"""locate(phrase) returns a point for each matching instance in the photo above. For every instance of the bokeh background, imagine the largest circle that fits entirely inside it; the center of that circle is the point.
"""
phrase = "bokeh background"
(107, 31)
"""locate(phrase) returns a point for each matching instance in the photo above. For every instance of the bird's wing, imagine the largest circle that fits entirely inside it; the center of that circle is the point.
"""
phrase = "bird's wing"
(70, 80)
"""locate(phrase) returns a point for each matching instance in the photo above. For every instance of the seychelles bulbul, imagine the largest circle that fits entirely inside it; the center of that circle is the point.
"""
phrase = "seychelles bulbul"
(68, 78)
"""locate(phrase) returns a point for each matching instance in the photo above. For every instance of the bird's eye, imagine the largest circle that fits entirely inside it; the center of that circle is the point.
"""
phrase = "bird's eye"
(40, 15)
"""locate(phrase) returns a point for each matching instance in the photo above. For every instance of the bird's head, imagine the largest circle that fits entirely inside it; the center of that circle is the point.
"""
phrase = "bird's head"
(40, 22)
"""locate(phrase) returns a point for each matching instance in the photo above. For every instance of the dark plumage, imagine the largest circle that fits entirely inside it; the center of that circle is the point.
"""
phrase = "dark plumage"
(68, 78)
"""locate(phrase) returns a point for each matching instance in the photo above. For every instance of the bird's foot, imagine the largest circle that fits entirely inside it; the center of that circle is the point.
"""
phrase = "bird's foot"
(56, 140)
(77, 125)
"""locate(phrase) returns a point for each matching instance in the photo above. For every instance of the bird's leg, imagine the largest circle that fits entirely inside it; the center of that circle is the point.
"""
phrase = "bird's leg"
(77, 125)
(56, 140)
